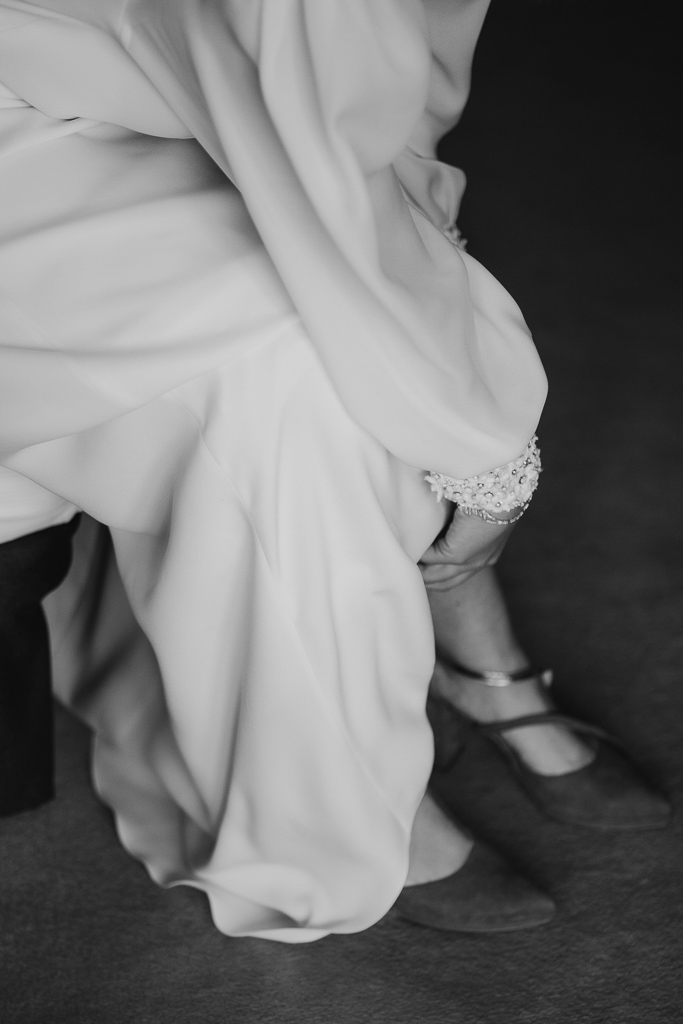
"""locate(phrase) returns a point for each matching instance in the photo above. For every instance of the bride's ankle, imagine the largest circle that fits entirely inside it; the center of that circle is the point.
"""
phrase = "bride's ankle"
(489, 702)
(546, 748)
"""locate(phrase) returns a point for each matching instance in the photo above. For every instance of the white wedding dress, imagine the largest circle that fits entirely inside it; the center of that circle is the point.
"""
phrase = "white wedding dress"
(235, 334)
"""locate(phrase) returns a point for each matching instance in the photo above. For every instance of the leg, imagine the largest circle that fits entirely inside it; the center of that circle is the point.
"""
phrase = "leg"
(487, 895)
(473, 628)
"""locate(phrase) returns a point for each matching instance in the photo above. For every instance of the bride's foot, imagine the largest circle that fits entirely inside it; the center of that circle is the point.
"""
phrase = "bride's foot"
(461, 885)
(545, 748)
(437, 846)
(572, 770)
(596, 786)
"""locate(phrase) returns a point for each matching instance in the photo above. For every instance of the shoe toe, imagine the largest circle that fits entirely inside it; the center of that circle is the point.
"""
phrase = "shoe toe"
(629, 800)
(485, 895)
(608, 793)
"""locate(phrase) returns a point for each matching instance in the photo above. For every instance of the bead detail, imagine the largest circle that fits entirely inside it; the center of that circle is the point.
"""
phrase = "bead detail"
(500, 490)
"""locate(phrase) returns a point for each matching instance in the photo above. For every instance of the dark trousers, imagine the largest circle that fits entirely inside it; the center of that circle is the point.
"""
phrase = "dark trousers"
(30, 567)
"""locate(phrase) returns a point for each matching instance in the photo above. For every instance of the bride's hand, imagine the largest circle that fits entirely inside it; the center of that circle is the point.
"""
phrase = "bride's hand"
(467, 545)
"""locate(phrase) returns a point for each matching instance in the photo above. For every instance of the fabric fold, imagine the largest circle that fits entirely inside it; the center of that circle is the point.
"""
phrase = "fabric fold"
(264, 86)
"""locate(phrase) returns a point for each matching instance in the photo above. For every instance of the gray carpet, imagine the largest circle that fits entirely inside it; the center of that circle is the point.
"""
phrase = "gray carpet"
(569, 144)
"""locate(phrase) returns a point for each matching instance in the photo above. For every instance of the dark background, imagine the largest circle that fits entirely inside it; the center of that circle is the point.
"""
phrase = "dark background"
(570, 147)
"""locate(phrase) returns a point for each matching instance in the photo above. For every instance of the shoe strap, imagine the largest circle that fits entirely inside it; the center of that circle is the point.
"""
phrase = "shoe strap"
(549, 718)
(493, 677)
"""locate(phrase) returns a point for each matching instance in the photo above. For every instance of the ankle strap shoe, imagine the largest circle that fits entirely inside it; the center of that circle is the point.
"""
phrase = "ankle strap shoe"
(608, 794)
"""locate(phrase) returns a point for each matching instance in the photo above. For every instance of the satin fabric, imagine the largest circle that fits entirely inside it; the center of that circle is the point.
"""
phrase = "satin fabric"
(234, 334)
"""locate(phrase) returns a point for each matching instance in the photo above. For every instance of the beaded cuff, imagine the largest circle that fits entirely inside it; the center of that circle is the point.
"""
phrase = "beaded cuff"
(500, 490)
